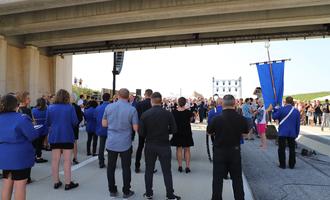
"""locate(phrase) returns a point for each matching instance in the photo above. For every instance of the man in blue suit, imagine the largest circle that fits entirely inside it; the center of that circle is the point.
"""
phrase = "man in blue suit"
(101, 131)
(288, 131)
(216, 111)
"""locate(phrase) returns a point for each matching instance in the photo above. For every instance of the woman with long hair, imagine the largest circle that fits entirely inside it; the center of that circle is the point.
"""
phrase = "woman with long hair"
(16, 151)
(24, 101)
(39, 115)
(62, 118)
(183, 139)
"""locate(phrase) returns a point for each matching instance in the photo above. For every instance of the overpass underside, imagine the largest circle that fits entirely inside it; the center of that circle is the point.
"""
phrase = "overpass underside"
(67, 26)
(301, 32)
(44, 29)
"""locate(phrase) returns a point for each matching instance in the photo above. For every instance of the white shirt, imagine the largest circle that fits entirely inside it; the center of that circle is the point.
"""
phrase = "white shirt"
(80, 102)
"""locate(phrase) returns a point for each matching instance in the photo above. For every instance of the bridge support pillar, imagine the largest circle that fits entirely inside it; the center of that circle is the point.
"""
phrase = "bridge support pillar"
(63, 73)
(3, 65)
(31, 69)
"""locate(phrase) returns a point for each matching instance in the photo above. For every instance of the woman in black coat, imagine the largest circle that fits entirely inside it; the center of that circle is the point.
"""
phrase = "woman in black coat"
(80, 116)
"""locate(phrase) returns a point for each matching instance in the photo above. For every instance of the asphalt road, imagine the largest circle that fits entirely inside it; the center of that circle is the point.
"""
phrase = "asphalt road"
(93, 181)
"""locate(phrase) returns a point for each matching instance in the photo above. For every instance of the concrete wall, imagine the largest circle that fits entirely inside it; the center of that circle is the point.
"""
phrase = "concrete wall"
(25, 69)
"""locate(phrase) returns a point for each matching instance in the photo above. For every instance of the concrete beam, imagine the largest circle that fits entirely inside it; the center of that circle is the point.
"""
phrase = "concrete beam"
(205, 24)
(20, 6)
(77, 18)
(251, 35)
(3, 65)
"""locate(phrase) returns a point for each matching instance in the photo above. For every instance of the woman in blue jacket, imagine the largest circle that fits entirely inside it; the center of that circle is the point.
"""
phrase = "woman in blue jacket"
(16, 150)
(61, 118)
(91, 126)
(39, 116)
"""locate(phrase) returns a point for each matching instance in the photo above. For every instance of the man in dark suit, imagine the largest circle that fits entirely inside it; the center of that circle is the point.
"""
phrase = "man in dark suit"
(141, 107)
(155, 126)
(227, 129)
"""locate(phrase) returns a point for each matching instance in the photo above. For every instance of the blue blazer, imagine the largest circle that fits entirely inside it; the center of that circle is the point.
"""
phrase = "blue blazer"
(213, 113)
(16, 136)
(99, 111)
(291, 126)
(90, 119)
(61, 118)
(40, 118)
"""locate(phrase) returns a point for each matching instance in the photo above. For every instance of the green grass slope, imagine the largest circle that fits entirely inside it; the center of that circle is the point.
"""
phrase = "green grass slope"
(310, 96)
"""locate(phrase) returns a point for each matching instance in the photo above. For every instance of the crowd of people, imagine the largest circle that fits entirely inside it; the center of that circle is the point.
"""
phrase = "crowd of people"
(113, 123)
(314, 113)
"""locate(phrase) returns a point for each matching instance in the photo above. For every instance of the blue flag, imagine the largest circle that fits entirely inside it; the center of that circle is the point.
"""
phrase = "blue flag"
(271, 83)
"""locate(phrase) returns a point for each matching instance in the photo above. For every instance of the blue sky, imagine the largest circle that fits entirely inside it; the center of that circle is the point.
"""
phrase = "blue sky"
(192, 68)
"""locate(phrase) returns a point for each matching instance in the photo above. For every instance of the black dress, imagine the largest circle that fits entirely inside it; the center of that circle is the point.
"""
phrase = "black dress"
(183, 137)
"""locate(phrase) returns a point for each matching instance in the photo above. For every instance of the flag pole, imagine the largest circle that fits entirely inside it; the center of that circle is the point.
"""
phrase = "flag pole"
(267, 45)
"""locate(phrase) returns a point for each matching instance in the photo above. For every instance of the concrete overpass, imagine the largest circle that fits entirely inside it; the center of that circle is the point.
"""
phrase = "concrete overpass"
(35, 32)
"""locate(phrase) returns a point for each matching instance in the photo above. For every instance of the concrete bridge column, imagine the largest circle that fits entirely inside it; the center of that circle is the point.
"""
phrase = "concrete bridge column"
(63, 73)
(3, 65)
(31, 69)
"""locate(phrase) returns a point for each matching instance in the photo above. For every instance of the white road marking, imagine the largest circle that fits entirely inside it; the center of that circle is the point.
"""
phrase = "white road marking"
(84, 163)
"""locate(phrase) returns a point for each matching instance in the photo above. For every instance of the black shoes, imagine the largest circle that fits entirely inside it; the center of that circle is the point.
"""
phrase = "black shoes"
(187, 170)
(89, 154)
(282, 167)
(67, 186)
(113, 194)
(128, 195)
(41, 160)
(180, 169)
(71, 186)
(102, 165)
(57, 185)
(148, 197)
(75, 162)
(174, 197)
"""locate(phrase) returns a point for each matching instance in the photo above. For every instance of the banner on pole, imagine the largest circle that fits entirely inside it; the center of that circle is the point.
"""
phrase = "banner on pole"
(271, 77)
